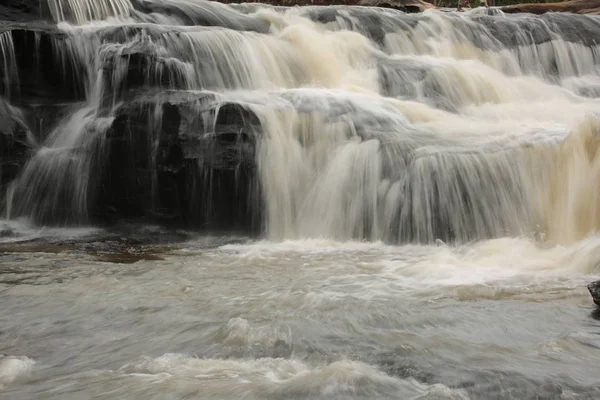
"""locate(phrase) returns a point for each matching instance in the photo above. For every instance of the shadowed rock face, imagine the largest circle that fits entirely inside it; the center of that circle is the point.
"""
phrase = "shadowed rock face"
(14, 144)
(200, 172)
(43, 69)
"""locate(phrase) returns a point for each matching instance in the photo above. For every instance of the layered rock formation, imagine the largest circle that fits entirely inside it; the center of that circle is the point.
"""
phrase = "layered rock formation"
(45, 77)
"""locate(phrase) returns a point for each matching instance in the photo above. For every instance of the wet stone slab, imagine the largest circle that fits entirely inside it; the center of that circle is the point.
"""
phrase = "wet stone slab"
(112, 249)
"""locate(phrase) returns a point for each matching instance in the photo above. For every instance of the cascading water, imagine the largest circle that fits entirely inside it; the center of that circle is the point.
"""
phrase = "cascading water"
(200, 200)
(81, 11)
(343, 122)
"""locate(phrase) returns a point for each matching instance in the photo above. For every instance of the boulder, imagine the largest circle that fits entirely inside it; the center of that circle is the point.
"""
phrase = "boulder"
(594, 289)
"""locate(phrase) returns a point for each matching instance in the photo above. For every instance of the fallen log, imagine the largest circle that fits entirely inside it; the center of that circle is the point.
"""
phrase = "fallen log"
(409, 6)
(569, 6)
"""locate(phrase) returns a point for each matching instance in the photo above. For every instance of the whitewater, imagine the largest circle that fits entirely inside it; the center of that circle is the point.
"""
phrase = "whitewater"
(411, 211)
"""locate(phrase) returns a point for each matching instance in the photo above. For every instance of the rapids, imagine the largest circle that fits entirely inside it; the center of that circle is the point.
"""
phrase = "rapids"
(247, 201)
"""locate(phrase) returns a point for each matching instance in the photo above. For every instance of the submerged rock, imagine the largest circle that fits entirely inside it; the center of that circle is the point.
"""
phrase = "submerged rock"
(594, 289)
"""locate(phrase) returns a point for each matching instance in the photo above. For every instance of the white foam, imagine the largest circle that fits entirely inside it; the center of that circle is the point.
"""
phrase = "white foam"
(13, 368)
(313, 246)
(268, 377)
(380, 269)
(22, 229)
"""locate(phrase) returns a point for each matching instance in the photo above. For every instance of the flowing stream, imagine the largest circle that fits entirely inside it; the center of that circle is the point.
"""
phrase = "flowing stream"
(418, 219)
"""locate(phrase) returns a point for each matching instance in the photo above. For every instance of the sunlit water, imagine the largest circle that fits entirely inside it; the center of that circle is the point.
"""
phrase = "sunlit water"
(382, 134)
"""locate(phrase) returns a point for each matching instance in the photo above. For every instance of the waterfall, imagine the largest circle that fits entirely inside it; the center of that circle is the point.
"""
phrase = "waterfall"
(338, 122)
(82, 11)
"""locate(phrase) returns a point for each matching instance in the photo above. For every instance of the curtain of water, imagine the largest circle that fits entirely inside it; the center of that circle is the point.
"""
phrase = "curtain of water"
(82, 11)
(375, 124)
(10, 73)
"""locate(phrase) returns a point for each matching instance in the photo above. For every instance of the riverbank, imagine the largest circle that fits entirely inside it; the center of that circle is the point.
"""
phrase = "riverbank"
(571, 6)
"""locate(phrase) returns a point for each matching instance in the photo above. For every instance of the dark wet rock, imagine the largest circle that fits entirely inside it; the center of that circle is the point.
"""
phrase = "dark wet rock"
(41, 67)
(141, 69)
(23, 10)
(594, 289)
(180, 158)
(136, 70)
(14, 144)
(399, 366)
(39, 74)
(131, 244)
(52, 248)
(7, 232)
(117, 252)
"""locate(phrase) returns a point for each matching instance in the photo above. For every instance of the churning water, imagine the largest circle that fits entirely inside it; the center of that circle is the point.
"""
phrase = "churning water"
(426, 189)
